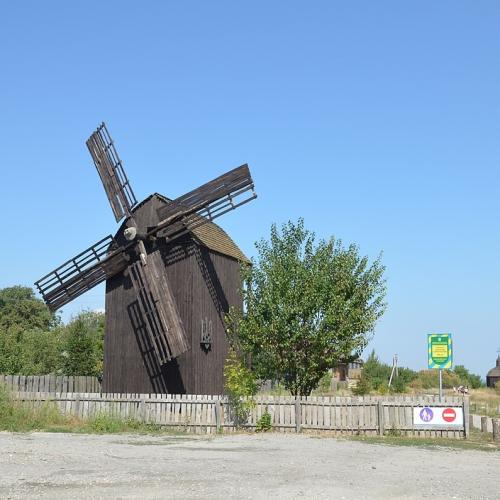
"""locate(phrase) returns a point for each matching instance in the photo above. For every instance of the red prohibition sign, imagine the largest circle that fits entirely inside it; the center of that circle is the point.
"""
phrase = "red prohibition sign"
(449, 415)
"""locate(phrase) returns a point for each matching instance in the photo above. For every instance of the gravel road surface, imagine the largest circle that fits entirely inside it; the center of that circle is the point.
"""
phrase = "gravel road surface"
(44, 465)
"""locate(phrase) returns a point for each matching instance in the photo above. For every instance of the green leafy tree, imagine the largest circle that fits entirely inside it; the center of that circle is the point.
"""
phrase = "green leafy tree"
(33, 341)
(467, 378)
(83, 347)
(378, 373)
(41, 351)
(20, 310)
(240, 385)
(27, 344)
(364, 386)
(308, 306)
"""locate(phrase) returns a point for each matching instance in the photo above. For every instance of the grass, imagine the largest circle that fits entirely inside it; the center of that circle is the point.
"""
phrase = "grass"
(476, 441)
(16, 416)
(485, 402)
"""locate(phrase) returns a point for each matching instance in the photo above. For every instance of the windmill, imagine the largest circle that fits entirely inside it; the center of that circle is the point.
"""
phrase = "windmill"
(133, 253)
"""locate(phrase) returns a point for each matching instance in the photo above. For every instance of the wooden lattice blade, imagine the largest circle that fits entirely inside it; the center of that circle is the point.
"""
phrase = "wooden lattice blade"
(206, 203)
(158, 309)
(81, 273)
(113, 177)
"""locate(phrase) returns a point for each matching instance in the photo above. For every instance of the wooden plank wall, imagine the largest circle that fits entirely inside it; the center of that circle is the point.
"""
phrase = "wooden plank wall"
(50, 383)
(209, 414)
(204, 285)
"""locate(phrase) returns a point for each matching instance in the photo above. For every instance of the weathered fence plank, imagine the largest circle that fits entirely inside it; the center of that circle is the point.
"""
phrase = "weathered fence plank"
(209, 414)
(51, 383)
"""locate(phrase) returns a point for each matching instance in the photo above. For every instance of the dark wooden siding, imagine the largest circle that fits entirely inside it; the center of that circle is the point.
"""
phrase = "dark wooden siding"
(204, 284)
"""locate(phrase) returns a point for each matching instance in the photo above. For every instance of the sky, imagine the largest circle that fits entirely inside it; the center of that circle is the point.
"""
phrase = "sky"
(377, 122)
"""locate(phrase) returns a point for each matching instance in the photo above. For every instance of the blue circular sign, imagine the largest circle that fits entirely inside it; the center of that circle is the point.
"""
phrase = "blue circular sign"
(426, 414)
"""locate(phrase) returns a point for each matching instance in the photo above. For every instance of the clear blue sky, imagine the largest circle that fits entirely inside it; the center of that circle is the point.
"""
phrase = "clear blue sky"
(378, 122)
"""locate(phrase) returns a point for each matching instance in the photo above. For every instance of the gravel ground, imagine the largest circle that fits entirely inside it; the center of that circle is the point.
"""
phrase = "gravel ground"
(43, 465)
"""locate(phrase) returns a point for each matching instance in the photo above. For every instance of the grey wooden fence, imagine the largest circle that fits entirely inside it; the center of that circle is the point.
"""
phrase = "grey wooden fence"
(208, 414)
(51, 383)
(481, 408)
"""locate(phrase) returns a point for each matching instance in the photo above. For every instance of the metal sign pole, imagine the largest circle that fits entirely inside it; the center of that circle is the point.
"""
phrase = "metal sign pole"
(440, 385)
(440, 355)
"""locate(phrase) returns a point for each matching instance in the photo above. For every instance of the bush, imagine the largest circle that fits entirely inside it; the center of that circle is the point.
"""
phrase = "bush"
(240, 385)
(379, 373)
(430, 379)
(83, 348)
(325, 383)
(264, 422)
(398, 385)
(466, 378)
(363, 387)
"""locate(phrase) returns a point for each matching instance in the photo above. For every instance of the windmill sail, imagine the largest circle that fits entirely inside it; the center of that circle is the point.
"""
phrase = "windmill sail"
(113, 177)
(81, 273)
(105, 259)
(159, 312)
(206, 203)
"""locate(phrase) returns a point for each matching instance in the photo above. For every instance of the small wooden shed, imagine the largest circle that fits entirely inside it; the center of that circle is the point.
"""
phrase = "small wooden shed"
(493, 376)
(203, 269)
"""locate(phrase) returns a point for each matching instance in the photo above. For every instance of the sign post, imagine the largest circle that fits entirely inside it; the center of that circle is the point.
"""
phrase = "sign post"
(440, 355)
(440, 384)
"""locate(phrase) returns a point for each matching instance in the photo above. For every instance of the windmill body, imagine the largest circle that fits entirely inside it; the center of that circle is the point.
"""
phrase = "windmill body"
(171, 274)
(203, 271)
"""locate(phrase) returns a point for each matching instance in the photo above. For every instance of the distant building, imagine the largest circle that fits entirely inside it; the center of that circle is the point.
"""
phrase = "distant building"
(348, 371)
(493, 376)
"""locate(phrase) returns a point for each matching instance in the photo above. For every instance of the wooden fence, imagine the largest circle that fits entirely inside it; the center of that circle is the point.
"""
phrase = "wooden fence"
(50, 383)
(482, 408)
(209, 414)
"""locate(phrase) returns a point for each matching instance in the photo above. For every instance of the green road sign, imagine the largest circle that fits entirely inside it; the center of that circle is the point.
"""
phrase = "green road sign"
(440, 350)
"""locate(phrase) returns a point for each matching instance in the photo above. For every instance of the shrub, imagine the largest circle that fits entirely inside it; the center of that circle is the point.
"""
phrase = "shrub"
(398, 385)
(363, 387)
(264, 422)
(240, 385)
(430, 379)
(466, 378)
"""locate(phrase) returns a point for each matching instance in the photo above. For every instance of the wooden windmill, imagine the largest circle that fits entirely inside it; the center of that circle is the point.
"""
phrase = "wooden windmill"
(156, 312)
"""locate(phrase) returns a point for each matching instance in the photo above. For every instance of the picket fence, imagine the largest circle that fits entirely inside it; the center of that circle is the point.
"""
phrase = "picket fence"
(50, 383)
(210, 414)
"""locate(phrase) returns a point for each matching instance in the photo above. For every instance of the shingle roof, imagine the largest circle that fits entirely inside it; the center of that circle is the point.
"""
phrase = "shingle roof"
(215, 238)
(495, 372)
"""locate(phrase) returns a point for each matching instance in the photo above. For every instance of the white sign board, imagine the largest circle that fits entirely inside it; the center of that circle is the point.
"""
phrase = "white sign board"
(445, 416)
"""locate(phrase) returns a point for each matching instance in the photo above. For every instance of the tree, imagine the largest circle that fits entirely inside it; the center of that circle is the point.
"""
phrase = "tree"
(240, 385)
(40, 351)
(378, 374)
(307, 306)
(83, 349)
(27, 343)
(467, 378)
(21, 310)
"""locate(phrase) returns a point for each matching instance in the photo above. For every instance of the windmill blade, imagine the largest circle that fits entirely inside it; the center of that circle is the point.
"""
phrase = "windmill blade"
(156, 303)
(81, 273)
(206, 203)
(113, 177)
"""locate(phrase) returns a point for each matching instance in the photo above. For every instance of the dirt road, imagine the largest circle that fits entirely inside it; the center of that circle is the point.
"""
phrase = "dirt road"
(42, 465)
